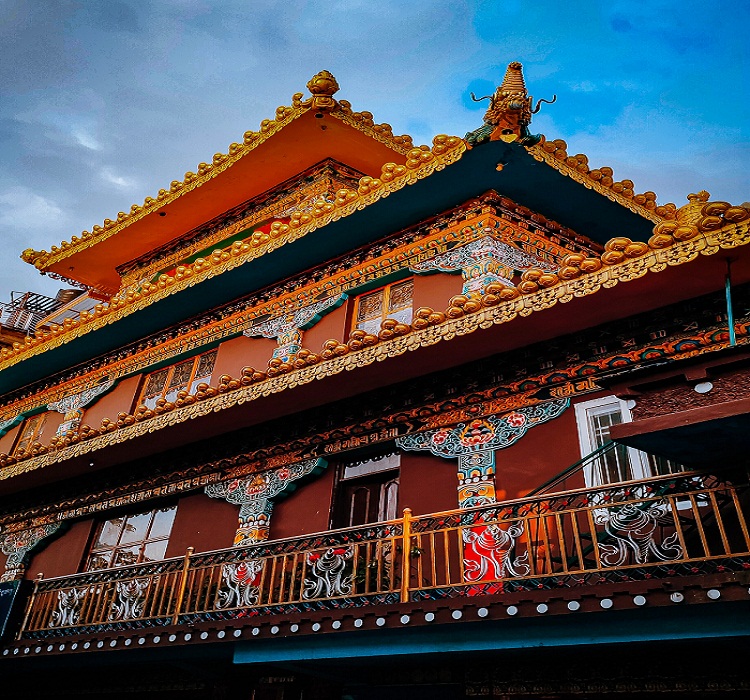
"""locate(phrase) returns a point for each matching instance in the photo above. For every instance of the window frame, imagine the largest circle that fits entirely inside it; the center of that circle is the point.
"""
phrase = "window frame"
(92, 550)
(639, 462)
(584, 411)
(386, 290)
(195, 359)
(383, 476)
(38, 421)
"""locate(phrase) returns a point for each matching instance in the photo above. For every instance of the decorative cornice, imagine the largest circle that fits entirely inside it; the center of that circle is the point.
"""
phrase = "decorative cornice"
(499, 305)
(396, 254)
(420, 163)
(555, 154)
(362, 121)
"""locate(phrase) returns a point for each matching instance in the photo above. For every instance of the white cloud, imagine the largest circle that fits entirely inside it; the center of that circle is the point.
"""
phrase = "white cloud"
(86, 140)
(24, 210)
(110, 176)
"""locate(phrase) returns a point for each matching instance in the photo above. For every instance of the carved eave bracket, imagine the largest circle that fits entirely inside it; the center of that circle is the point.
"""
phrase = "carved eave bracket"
(482, 262)
(474, 443)
(255, 496)
(287, 328)
(17, 545)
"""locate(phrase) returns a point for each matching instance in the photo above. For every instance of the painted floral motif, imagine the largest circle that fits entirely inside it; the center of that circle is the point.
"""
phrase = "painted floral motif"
(18, 545)
(477, 432)
(68, 607)
(130, 599)
(492, 433)
(488, 550)
(635, 530)
(254, 496)
(287, 328)
(329, 573)
(241, 584)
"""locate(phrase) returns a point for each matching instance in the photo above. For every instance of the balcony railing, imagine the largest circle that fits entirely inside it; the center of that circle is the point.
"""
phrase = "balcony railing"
(670, 526)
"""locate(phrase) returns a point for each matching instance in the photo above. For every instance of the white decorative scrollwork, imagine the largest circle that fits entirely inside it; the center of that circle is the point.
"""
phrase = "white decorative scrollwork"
(329, 574)
(68, 607)
(634, 530)
(487, 550)
(130, 599)
(241, 584)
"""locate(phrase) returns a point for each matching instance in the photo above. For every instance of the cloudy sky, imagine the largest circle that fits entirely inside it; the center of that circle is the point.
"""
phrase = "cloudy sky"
(103, 102)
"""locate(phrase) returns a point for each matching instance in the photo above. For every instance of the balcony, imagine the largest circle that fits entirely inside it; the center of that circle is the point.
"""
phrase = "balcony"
(669, 533)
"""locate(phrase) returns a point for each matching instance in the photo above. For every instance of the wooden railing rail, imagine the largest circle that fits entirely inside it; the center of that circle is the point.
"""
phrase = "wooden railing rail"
(662, 527)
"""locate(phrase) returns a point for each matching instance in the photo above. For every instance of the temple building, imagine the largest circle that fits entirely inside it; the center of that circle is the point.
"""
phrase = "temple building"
(340, 416)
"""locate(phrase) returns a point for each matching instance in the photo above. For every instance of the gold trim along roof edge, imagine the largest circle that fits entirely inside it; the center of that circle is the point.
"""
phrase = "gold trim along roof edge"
(420, 163)
(322, 86)
(622, 269)
(555, 154)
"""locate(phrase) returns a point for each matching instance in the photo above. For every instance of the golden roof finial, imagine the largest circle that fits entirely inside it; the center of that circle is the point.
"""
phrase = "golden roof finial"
(322, 87)
(513, 81)
(510, 109)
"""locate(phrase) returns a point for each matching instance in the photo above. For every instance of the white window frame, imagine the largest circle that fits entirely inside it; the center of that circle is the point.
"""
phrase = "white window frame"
(639, 466)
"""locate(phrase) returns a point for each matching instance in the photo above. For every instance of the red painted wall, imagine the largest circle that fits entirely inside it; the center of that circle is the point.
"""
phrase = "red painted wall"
(8, 440)
(332, 325)
(64, 555)
(539, 455)
(428, 484)
(306, 510)
(436, 290)
(242, 352)
(203, 523)
(120, 399)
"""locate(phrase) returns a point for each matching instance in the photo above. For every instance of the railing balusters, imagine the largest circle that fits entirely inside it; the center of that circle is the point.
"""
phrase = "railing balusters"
(181, 585)
(740, 517)
(551, 537)
(719, 522)
(405, 556)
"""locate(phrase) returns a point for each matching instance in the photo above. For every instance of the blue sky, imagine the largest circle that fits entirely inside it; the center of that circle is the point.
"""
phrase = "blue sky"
(103, 102)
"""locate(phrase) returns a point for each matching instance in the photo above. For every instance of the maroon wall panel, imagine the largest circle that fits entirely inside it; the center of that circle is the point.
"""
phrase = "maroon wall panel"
(203, 523)
(307, 510)
(64, 555)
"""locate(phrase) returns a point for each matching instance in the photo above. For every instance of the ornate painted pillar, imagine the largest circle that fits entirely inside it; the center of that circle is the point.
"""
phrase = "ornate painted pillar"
(72, 406)
(287, 329)
(474, 444)
(480, 262)
(255, 497)
(19, 544)
(489, 551)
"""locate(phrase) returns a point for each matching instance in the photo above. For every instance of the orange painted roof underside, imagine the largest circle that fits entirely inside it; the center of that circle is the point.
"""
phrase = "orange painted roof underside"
(300, 144)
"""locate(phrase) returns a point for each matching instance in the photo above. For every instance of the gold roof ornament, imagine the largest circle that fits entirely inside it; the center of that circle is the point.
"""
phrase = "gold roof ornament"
(322, 87)
(510, 110)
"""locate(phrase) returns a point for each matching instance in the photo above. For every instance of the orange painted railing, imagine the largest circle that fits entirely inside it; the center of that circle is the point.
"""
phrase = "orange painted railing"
(680, 524)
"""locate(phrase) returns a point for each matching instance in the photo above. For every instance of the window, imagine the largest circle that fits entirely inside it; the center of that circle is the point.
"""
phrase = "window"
(131, 539)
(184, 376)
(392, 301)
(621, 463)
(368, 491)
(31, 431)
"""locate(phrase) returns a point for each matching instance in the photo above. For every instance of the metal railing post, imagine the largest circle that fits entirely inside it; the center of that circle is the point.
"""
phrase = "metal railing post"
(406, 556)
(30, 604)
(182, 585)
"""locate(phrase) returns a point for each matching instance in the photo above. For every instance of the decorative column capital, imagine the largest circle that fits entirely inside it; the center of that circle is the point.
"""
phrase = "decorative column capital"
(287, 328)
(255, 496)
(19, 544)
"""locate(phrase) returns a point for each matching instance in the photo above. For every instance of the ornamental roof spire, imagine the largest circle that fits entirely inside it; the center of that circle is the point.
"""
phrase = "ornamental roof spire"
(510, 110)
(513, 82)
